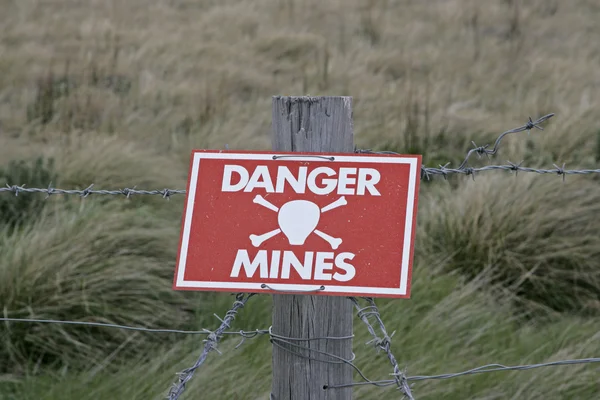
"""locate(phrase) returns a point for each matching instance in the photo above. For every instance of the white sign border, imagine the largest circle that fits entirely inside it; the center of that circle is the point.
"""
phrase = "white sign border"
(396, 291)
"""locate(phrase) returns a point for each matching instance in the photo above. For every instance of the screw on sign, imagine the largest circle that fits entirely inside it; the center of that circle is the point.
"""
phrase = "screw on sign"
(255, 222)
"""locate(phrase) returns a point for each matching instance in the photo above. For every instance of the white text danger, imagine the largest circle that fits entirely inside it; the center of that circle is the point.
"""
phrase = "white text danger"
(321, 180)
(316, 265)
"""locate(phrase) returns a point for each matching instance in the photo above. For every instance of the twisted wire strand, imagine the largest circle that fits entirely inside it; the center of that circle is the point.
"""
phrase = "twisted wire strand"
(127, 192)
(384, 343)
(510, 166)
(480, 150)
(278, 341)
(426, 173)
(210, 344)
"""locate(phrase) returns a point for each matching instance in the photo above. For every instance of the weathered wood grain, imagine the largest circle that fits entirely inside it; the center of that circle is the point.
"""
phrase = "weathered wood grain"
(312, 124)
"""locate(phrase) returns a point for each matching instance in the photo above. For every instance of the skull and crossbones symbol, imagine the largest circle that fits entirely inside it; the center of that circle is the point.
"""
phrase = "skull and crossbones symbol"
(297, 219)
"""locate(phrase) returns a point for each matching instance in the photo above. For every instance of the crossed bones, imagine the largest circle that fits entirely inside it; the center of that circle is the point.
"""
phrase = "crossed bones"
(257, 240)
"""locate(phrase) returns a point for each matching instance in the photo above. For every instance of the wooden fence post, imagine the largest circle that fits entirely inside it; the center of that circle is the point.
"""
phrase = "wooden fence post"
(312, 124)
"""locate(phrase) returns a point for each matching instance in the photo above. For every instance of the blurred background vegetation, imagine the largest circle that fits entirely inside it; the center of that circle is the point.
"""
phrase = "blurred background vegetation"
(117, 93)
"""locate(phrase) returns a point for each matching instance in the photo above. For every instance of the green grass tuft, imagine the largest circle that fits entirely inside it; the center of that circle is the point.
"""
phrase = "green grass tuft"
(537, 234)
(86, 261)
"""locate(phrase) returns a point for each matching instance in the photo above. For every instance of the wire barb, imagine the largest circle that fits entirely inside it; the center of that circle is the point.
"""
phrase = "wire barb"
(484, 149)
(443, 170)
(127, 192)
(210, 343)
(382, 343)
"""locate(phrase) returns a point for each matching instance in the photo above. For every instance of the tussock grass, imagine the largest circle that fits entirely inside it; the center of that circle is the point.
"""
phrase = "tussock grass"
(537, 234)
(88, 262)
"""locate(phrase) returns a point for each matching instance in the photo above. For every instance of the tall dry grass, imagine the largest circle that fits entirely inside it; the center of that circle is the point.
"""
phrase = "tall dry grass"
(177, 75)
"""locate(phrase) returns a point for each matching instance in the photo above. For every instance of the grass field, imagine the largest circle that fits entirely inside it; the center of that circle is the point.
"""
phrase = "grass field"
(117, 93)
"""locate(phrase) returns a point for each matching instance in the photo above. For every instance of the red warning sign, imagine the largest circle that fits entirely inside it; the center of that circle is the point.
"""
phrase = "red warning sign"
(314, 223)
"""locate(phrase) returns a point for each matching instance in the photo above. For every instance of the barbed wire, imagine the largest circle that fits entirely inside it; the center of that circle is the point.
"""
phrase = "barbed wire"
(382, 343)
(426, 172)
(529, 125)
(210, 344)
(127, 192)
(481, 150)
(443, 170)
(203, 331)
